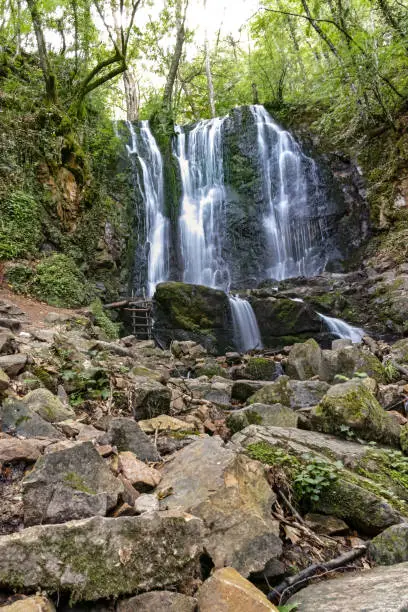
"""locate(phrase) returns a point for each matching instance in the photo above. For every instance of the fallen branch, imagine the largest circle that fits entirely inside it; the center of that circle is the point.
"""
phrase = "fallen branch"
(292, 583)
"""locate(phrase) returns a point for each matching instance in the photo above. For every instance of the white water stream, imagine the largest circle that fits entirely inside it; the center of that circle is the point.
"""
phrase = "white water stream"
(246, 331)
(342, 329)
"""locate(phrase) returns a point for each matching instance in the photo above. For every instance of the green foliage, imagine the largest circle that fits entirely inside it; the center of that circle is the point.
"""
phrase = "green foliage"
(20, 226)
(272, 455)
(58, 282)
(391, 372)
(315, 476)
(288, 608)
(18, 276)
(110, 328)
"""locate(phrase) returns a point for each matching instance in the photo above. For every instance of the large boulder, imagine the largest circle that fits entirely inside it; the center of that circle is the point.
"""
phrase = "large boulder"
(243, 389)
(48, 406)
(126, 435)
(231, 494)
(390, 546)
(159, 601)
(349, 360)
(260, 368)
(275, 415)
(149, 398)
(227, 591)
(36, 603)
(192, 312)
(17, 418)
(304, 360)
(15, 450)
(13, 364)
(384, 589)
(285, 321)
(293, 393)
(351, 406)
(103, 557)
(69, 484)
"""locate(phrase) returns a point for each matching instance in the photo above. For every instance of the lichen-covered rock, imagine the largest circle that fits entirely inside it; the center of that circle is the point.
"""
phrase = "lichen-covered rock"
(243, 389)
(4, 381)
(102, 557)
(348, 361)
(293, 393)
(37, 603)
(192, 312)
(399, 351)
(227, 591)
(126, 435)
(17, 418)
(69, 484)
(390, 546)
(149, 398)
(48, 406)
(261, 368)
(275, 415)
(304, 360)
(372, 590)
(351, 405)
(159, 601)
(231, 494)
(404, 439)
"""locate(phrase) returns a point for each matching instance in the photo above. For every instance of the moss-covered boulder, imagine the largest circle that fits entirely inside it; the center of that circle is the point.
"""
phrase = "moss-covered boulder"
(351, 407)
(349, 360)
(285, 321)
(399, 351)
(293, 393)
(192, 312)
(390, 546)
(304, 360)
(47, 405)
(260, 368)
(276, 415)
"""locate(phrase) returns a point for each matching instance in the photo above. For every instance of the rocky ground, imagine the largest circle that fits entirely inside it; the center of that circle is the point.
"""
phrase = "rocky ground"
(134, 478)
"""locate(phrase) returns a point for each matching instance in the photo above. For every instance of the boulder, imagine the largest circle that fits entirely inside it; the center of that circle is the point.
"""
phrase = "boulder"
(14, 450)
(293, 393)
(159, 601)
(192, 312)
(352, 406)
(348, 361)
(126, 435)
(390, 546)
(8, 345)
(13, 364)
(36, 603)
(304, 360)
(261, 368)
(275, 415)
(399, 351)
(231, 494)
(227, 591)
(164, 422)
(243, 389)
(384, 589)
(103, 557)
(69, 484)
(142, 476)
(4, 381)
(47, 405)
(146, 503)
(327, 525)
(17, 418)
(149, 398)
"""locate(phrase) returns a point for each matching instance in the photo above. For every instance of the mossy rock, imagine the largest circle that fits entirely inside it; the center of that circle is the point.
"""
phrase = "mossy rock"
(47, 405)
(404, 439)
(260, 368)
(350, 406)
(390, 546)
(304, 360)
(292, 393)
(349, 360)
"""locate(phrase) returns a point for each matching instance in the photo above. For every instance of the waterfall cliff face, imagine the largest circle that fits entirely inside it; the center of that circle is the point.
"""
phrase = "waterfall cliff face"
(149, 178)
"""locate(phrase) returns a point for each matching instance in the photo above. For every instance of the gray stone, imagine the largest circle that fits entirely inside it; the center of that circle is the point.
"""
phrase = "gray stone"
(231, 494)
(149, 398)
(379, 589)
(390, 546)
(4, 381)
(17, 418)
(146, 503)
(304, 360)
(328, 525)
(341, 343)
(69, 484)
(349, 360)
(158, 601)
(36, 603)
(8, 344)
(13, 364)
(13, 449)
(293, 393)
(275, 415)
(243, 389)
(126, 435)
(103, 557)
(47, 405)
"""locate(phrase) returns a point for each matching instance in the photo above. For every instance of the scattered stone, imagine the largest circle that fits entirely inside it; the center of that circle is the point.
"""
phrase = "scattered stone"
(159, 601)
(4, 381)
(142, 476)
(232, 495)
(390, 546)
(37, 603)
(164, 422)
(19, 419)
(233, 358)
(149, 398)
(293, 393)
(326, 525)
(126, 435)
(227, 591)
(275, 415)
(384, 589)
(69, 484)
(243, 389)
(103, 557)
(146, 503)
(13, 364)
(47, 405)
(12, 324)
(8, 345)
(13, 449)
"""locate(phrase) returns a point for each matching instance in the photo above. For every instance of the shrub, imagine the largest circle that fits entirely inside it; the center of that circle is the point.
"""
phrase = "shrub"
(58, 282)
(110, 328)
(20, 226)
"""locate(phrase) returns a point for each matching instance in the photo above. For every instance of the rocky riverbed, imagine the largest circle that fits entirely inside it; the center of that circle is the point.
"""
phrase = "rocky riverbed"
(136, 478)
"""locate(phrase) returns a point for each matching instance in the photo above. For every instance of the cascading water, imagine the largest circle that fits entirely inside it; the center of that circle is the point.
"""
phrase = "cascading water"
(342, 329)
(202, 224)
(149, 176)
(246, 331)
(289, 180)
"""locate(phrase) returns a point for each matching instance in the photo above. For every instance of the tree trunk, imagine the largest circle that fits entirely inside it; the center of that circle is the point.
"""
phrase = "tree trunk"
(318, 29)
(210, 85)
(131, 95)
(175, 60)
(49, 76)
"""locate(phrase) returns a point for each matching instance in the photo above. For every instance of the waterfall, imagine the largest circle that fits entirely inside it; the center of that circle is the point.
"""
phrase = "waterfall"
(202, 219)
(294, 239)
(342, 329)
(149, 177)
(246, 331)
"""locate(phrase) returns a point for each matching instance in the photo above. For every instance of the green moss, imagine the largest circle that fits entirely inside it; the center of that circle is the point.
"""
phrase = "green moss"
(277, 392)
(75, 481)
(20, 226)
(102, 319)
(59, 282)
(260, 368)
